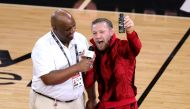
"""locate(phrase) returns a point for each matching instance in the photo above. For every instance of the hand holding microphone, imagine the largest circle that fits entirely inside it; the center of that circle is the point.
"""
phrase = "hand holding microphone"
(88, 57)
(89, 53)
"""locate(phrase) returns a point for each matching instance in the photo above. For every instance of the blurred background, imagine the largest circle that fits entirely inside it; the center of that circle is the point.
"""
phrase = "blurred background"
(158, 7)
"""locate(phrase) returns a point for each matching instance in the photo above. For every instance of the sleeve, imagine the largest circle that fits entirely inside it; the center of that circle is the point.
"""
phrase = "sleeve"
(82, 40)
(134, 43)
(131, 47)
(89, 78)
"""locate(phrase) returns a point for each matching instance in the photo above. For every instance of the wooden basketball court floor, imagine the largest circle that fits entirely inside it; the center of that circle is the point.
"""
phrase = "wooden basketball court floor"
(163, 65)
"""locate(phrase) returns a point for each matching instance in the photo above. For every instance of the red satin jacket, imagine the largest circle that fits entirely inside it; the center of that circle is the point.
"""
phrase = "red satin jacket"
(114, 70)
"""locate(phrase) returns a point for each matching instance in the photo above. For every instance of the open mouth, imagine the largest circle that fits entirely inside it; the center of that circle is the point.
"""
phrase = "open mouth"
(100, 42)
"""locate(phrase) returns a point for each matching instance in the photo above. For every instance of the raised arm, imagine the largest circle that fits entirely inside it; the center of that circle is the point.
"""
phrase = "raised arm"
(133, 39)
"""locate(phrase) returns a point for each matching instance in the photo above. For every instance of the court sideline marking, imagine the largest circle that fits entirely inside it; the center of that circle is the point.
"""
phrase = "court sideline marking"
(163, 67)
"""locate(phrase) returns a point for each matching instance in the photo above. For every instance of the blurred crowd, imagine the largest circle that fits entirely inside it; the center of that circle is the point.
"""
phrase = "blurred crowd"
(160, 7)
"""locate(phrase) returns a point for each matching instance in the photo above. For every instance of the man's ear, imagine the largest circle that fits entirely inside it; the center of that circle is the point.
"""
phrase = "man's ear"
(111, 31)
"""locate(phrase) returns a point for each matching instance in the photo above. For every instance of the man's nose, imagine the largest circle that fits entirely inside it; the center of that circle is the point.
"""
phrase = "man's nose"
(97, 36)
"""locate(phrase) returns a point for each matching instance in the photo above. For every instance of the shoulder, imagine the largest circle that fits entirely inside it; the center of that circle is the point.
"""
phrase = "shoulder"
(81, 40)
(43, 42)
(79, 36)
(120, 43)
(121, 46)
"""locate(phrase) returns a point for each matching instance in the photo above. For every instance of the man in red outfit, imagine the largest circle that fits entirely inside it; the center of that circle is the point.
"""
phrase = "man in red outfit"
(114, 66)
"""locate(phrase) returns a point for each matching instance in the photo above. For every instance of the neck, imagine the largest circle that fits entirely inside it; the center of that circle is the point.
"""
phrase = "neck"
(65, 43)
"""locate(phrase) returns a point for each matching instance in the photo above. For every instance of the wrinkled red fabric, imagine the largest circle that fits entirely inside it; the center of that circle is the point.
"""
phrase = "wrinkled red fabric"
(114, 70)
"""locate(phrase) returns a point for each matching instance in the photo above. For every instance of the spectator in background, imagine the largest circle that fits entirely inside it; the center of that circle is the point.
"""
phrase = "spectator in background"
(114, 5)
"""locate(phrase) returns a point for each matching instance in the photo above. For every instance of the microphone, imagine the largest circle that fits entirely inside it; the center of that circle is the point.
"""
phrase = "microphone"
(89, 53)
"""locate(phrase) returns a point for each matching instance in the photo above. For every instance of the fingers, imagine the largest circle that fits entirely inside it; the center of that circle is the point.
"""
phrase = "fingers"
(86, 64)
(91, 66)
(82, 54)
(129, 24)
(91, 63)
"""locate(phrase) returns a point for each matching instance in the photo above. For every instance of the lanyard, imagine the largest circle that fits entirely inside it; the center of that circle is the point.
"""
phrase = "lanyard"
(76, 52)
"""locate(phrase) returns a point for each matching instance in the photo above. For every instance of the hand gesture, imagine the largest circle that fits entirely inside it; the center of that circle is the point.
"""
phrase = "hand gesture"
(85, 64)
(129, 24)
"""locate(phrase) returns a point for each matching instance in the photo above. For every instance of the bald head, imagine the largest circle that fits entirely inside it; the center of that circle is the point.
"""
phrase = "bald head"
(63, 25)
(61, 16)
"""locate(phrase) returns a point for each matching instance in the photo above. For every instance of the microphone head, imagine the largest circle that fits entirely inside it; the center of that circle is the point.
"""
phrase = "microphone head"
(91, 48)
(90, 52)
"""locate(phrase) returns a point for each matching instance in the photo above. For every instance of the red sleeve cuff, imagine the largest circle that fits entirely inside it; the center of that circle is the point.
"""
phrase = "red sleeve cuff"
(89, 78)
(132, 35)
